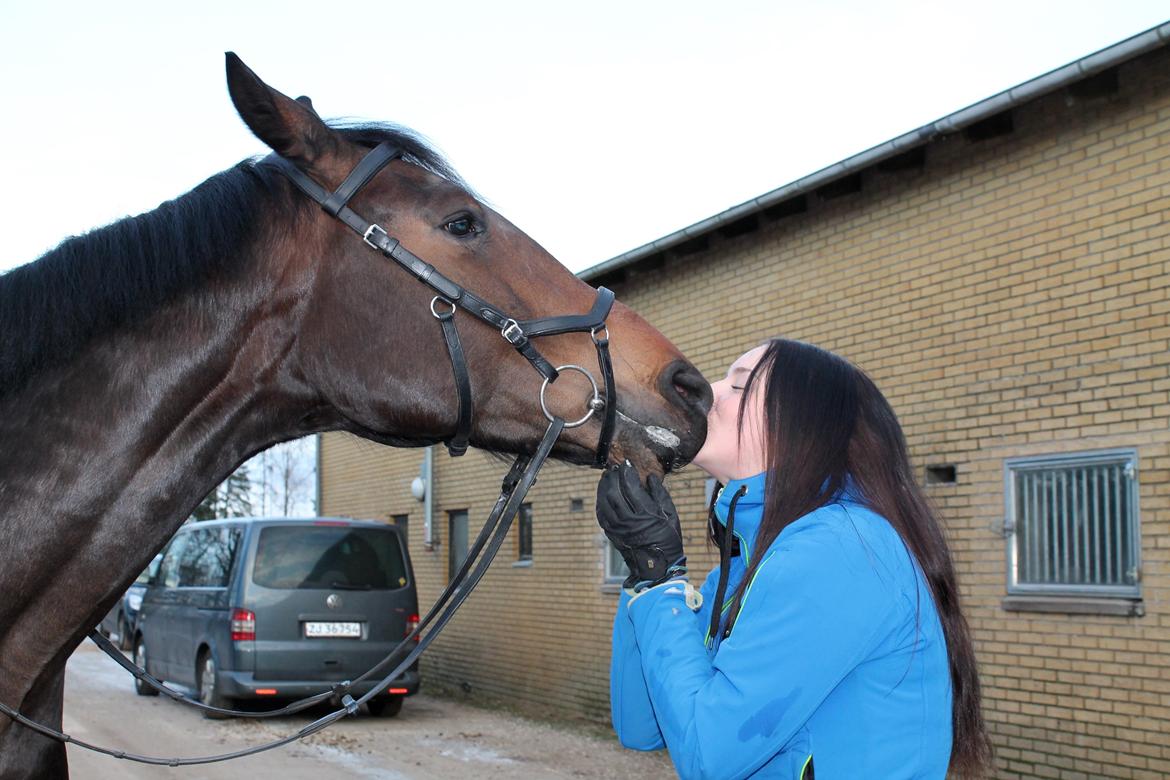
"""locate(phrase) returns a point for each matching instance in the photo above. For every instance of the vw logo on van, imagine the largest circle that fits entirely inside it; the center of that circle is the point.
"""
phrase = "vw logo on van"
(333, 601)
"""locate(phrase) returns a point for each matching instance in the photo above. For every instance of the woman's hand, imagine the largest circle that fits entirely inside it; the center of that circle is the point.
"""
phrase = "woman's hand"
(643, 525)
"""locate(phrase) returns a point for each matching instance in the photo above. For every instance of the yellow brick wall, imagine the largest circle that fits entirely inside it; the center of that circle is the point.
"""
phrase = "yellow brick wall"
(1011, 299)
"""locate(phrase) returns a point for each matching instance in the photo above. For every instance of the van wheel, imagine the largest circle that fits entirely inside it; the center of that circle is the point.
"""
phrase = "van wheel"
(208, 684)
(385, 706)
(141, 688)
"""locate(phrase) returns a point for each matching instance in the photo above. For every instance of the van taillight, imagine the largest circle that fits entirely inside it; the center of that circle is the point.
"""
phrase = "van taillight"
(243, 625)
(411, 625)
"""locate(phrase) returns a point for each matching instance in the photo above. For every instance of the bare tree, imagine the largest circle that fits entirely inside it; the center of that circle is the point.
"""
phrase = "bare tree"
(287, 478)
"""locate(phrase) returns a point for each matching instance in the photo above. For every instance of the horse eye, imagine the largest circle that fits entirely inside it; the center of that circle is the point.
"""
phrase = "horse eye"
(460, 227)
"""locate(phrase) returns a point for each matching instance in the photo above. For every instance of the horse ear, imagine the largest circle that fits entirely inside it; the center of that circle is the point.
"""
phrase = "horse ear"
(292, 129)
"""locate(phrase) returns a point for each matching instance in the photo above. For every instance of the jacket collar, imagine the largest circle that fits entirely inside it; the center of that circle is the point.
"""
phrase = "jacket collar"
(749, 509)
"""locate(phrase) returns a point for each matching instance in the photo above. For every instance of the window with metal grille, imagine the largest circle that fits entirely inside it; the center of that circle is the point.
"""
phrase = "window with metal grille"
(1072, 524)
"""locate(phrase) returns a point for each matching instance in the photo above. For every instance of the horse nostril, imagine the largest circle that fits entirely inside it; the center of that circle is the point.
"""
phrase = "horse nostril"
(690, 387)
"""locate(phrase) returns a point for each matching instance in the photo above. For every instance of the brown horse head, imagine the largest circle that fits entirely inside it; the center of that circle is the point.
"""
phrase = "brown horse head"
(372, 349)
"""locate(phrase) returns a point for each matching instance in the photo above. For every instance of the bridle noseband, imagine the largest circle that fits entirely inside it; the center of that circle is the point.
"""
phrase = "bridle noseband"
(451, 296)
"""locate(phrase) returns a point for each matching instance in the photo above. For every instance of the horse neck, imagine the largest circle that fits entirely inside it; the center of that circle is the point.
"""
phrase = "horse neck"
(105, 457)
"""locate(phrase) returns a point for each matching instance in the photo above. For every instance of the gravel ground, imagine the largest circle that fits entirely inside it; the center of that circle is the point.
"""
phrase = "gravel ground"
(432, 738)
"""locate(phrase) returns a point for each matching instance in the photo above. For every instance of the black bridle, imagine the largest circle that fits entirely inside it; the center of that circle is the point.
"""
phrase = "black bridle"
(451, 297)
(514, 488)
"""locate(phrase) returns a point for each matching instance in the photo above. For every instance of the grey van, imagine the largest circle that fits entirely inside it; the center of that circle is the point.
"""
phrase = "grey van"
(278, 609)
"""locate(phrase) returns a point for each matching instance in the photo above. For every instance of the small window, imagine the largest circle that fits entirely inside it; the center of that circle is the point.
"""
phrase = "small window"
(524, 533)
(1072, 525)
(941, 475)
(403, 523)
(456, 541)
(615, 566)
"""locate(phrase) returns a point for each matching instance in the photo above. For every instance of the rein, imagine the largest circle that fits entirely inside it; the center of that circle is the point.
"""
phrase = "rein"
(520, 478)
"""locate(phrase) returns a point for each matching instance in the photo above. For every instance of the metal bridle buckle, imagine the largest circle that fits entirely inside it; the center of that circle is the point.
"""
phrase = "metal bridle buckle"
(438, 315)
(513, 333)
(370, 231)
(594, 404)
(593, 333)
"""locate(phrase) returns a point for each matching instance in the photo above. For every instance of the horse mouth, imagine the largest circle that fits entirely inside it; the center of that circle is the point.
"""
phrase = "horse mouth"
(663, 437)
(665, 444)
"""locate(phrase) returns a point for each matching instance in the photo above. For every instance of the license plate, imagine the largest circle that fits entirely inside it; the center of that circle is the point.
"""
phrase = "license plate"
(333, 629)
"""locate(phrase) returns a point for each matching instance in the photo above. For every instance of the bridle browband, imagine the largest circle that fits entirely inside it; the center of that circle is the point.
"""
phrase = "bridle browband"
(451, 296)
(514, 488)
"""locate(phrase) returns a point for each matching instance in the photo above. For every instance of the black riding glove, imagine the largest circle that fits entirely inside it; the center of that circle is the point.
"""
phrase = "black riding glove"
(643, 525)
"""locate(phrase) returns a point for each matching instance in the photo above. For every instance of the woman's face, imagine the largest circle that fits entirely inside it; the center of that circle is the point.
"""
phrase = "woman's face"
(725, 454)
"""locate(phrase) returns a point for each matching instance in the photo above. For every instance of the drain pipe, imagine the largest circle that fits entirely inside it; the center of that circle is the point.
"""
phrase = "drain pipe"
(427, 479)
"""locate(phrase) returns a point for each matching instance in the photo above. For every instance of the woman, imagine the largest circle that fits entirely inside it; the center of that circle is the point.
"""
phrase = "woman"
(830, 639)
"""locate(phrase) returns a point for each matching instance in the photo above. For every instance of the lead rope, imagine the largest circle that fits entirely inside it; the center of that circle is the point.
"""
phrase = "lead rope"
(508, 508)
(724, 565)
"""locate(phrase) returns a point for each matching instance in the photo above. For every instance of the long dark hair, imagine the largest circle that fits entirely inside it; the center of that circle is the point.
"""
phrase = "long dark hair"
(825, 421)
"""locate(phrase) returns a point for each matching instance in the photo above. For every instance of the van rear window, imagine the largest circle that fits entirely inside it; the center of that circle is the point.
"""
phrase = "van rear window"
(330, 557)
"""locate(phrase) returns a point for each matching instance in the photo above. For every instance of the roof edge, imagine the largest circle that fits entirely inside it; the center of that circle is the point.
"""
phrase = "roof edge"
(1123, 51)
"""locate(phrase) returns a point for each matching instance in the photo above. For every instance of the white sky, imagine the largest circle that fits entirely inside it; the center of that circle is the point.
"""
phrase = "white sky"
(596, 127)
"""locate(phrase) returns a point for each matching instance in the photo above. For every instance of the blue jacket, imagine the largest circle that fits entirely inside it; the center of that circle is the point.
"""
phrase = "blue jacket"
(837, 654)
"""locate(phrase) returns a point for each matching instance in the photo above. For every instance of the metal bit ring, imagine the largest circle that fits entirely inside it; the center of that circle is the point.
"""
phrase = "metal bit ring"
(593, 404)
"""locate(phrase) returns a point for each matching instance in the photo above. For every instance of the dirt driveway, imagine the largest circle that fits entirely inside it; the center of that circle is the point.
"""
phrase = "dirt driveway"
(431, 738)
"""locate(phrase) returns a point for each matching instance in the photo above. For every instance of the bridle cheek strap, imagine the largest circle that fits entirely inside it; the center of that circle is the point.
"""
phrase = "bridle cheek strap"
(608, 422)
(457, 444)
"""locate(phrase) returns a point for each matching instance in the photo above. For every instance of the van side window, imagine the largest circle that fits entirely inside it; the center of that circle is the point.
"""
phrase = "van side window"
(215, 567)
(206, 560)
(219, 560)
(193, 551)
(168, 573)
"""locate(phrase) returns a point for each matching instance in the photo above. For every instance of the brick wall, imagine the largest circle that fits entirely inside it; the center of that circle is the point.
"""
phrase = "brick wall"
(1010, 297)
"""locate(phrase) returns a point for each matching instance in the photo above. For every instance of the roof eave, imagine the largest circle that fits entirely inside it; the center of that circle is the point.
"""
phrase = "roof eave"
(1154, 38)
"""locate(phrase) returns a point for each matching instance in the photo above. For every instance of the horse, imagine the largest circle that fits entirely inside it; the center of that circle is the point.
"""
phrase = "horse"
(143, 362)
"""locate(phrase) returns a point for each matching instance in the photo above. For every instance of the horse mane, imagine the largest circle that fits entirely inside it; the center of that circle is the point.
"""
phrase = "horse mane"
(113, 277)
